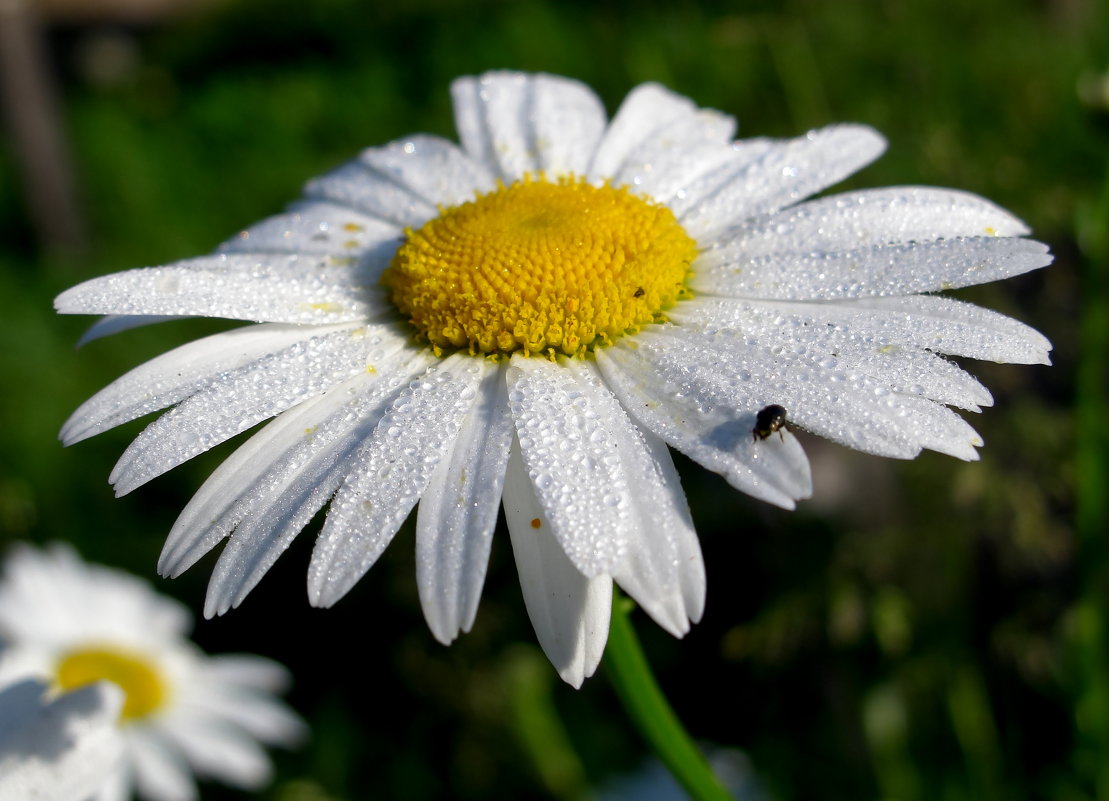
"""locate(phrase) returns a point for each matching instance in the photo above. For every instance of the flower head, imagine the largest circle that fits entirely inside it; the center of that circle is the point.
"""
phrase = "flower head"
(74, 625)
(529, 319)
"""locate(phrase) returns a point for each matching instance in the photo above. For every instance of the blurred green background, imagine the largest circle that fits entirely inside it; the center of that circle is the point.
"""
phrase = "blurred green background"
(919, 630)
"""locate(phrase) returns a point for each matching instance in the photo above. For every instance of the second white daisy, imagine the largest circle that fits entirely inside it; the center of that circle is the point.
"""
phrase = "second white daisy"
(72, 624)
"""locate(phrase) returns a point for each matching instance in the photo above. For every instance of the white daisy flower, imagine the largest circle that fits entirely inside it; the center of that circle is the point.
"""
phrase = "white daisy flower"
(72, 624)
(62, 748)
(529, 319)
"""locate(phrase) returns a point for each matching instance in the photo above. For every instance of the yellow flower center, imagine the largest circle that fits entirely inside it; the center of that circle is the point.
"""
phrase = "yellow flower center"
(541, 267)
(142, 683)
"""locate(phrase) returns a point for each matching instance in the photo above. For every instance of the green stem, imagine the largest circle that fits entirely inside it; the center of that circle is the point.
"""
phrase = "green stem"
(648, 709)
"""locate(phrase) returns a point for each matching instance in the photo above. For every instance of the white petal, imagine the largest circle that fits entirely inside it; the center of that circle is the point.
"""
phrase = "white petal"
(44, 600)
(648, 108)
(936, 427)
(900, 367)
(951, 326)
(568, 121)
(207, 518)
(915, 372)
(159, 768)
(519, 123)
(237, 400)
(118, 787)
(261, 716)
(458, 512)
(177, 374)
(63, 748)
(277, 480)
(745, 154)
(431, 168)
(690, 563)
(502, 103)
(874, 271)
(288, 495)
(218, 751)
(787, 172)
(377, 195)
(392, 471)
(678, 154)
(737, 376)
(276, 288)
(248, 671)
(271, 489)
(573, 461)
(114, 323)
(726, 369)
(869, 217)
(320, 228)
(716, 434)
(662, 570)
(940, 324)
(469, 120)
(570, 612)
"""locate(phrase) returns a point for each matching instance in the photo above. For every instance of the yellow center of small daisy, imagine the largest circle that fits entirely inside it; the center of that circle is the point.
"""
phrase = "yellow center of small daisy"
(541, 267)
(142, 683)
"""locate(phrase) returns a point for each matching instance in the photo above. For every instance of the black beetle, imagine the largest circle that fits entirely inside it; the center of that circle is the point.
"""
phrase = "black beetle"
(769, 419)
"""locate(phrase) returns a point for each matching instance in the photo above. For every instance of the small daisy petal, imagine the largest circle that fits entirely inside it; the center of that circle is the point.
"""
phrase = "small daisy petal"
(159, 769)
(458, 512)
(553, 302)
(254, 713)
(247, 671)
(65, 746)
(570, 612)
(217, 751)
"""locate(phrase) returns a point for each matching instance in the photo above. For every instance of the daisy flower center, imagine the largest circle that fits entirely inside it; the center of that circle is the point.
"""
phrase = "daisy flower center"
(141, 681)
(541, 267)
